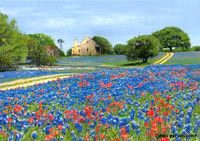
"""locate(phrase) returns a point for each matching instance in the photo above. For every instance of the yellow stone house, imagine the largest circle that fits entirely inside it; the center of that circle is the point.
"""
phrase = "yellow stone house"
(86, 47)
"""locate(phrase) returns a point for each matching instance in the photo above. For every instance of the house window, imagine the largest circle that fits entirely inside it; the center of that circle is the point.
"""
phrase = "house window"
(87, 50)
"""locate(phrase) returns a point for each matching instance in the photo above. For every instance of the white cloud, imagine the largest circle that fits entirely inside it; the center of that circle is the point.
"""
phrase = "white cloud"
(113, 19)
(52, 23)
(128, 18)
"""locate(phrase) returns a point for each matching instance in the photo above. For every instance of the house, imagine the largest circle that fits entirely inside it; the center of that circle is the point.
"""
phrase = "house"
(86, 47)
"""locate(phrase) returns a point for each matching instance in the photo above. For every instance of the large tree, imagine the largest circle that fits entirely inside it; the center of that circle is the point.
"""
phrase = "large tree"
(172, 37)
(36, 49)
(105, 45)
(120, 49)
(45, 40)
(13, 48)
(142, 47)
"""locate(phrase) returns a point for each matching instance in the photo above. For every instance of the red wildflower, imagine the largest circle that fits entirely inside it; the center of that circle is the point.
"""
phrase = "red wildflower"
(60, 126)
(49, 137)
(17, 108)
(102, 136)
(150, 113)
(168, 97)
(124, 136)
(165, 139)
(31, 120)
(130, 87)
(156, 92)
(146, 124)
(9, 119)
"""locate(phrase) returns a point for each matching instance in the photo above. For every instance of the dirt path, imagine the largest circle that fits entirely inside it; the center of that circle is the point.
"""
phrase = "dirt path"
(165, 58)
(32, 81)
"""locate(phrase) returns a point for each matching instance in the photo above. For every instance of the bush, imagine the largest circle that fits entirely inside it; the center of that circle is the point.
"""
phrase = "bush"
(196, 48)
(6, 63)
(120, 49)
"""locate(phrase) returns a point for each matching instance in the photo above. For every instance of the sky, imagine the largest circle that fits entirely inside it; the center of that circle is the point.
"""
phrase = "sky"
(117, 20)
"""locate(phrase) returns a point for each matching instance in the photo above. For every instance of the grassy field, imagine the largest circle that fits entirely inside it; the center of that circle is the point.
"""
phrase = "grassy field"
(185, 58)
(104, 61)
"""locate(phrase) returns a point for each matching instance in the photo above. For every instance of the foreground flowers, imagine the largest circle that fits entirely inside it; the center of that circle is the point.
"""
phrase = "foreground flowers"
(112, 105)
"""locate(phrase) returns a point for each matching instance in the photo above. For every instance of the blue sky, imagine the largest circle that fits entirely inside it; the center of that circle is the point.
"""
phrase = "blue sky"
(117, 20)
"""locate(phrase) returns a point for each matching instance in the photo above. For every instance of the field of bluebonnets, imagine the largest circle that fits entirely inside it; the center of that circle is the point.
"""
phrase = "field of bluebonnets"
(13, 75)
(152, 103)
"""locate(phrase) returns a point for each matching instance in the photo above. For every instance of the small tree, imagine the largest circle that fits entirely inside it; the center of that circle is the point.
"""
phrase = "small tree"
(69, 52)
(120, 49)
(142, 47)
(196, 48)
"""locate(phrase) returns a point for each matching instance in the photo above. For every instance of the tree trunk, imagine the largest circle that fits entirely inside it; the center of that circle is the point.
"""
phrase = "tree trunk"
(170, 49)
(145, 60)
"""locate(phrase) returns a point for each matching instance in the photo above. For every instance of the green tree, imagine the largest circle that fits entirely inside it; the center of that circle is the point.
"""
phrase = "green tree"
(69, 52)
(45, 40)
(142, 47)
(172, 37)
(120, 49)
(105, 45)
(36, 51)
(13, 48)
(196, 48)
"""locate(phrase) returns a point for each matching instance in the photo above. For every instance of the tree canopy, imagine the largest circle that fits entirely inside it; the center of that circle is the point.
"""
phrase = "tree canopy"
(172, 37)
(142, 47)
(13, 48)
(120, 49)
(43, 39)
(36, 49)
(106, 46)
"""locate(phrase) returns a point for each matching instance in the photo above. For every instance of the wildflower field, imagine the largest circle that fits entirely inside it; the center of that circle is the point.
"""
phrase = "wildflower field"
(160, 103)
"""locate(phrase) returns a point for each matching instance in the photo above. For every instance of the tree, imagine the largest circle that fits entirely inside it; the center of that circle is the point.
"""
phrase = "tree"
(43, 39)
(69, 52)
(172, 37)
(105, 45)
(13, 48)
(142, 47)
(196, 48)
(120, 49)
(36, 49)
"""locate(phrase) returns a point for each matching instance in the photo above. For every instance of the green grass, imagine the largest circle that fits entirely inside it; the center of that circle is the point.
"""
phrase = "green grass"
(183, 61)
(104, 61)
(136, 63)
